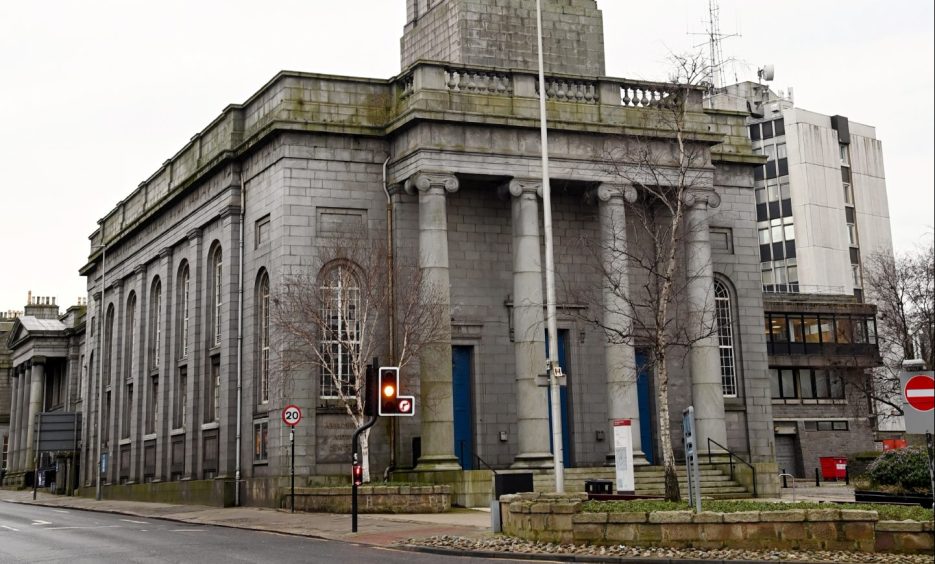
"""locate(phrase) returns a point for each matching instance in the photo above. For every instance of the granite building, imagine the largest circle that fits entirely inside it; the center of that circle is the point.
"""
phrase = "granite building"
(183, 268)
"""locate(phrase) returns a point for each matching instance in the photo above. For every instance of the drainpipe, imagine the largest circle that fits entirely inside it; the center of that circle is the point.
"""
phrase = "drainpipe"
(243, 211)
(391, 314)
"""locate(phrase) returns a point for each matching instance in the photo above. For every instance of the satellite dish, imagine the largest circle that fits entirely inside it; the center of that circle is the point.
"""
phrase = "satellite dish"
(767, 73)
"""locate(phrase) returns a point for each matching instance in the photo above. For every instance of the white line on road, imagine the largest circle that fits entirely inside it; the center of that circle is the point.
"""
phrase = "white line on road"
(10, 528)
(137, 522)
(80, 527)
(59, 511)
(41, 522)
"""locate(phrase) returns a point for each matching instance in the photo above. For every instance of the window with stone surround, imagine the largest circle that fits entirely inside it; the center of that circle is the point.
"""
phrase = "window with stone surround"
(182, 303)
(340, 341)
(262, 336)
(260, 439)
(216, 295)
(155, 326)
(725, 337)
(130, 332)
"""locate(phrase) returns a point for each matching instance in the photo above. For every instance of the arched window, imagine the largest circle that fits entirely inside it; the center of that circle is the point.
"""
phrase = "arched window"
(262, 336)
(725, 339)
(216, 295)
(108, 357)
(340, 339)
(130, 332)
(155, 326)
(183, 289)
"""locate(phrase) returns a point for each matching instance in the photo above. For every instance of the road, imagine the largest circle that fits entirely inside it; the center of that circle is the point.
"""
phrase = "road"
(45, 534)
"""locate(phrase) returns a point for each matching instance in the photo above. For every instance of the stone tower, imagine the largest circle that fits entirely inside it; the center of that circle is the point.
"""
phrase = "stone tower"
(502, 33)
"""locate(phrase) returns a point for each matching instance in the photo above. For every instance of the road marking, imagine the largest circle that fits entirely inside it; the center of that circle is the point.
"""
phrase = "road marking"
(41, 522)
(188, 530)
(137, 522)
(59, 511)
(80, 527)
(10, 528)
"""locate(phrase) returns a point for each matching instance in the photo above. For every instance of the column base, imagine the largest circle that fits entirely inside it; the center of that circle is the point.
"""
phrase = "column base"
(639, 459)
(533, 460)
(437, 463)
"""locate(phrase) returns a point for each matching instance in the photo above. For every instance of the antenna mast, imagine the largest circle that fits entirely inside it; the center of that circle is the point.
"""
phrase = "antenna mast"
(715, 56)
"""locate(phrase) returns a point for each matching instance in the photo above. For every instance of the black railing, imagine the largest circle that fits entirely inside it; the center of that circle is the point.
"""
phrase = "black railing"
(476, 457)
(731, 455)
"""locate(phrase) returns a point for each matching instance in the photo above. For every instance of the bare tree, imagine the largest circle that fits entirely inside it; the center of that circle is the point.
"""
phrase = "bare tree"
(332, 319)
(664, 171)
(903, 289)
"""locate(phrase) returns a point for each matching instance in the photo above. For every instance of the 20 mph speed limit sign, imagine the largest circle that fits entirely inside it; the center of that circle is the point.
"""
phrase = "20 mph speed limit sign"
(291, 415)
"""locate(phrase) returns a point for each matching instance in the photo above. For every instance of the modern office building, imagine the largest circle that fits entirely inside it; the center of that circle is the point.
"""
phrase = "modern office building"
(821, 211)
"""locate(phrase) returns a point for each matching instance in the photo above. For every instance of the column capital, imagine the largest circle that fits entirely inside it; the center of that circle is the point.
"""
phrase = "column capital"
(194, 234)
(425, 181)
(607, 191)
(116, 283)
(139, 269)
(516, 187)
(165, 252)
(698, 198)
(37, 360)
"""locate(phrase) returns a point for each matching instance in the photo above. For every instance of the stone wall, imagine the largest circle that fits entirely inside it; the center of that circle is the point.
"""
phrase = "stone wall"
(216, 493)
(558, 518)
(371, 499)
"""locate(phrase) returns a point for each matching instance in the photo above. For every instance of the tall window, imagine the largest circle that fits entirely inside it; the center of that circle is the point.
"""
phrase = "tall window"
(214, 410)
(725, 339)
(152, 411)
(108, 343)
(130, 329)
(155, 320)
(127, 411)
(182, 316)
(262, 336)
(181, 397)
(216, 295)
(340, 342)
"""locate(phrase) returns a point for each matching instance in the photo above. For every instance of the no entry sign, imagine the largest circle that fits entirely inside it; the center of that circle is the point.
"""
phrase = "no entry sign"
(920, 392)
(918, 401)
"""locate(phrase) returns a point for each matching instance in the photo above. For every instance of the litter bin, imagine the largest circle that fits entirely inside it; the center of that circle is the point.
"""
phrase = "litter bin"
(598, 486)
(833, 467)
(511, 483)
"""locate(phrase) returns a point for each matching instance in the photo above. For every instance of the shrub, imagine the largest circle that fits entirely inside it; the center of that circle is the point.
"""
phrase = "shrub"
(905, 468)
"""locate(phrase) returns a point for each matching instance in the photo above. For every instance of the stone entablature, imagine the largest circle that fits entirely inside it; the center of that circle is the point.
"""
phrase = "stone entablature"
(317, 103)
(558, 518)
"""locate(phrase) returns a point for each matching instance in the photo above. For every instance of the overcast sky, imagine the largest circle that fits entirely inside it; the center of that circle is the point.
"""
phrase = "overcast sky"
(95, 95)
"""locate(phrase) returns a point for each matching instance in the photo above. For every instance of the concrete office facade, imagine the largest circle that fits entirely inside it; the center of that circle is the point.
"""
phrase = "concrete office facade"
(265, 189)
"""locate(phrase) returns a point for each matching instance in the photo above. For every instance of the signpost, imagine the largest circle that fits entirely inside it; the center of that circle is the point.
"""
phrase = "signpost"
(623, 455)
(691, 458)
(291, 415)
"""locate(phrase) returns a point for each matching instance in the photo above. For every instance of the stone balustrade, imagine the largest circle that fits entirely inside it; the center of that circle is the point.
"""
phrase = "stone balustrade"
(348, 105)
(558, 518)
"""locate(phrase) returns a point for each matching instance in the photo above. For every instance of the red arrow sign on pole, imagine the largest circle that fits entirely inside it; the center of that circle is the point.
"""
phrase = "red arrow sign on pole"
(920, 392)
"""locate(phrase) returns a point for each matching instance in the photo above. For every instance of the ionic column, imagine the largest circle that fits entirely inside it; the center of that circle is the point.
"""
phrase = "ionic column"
(14, 423)
(435, 360)
(707, 393)
(528, 326)
(25, 372)
(622, 398)
(36, 391)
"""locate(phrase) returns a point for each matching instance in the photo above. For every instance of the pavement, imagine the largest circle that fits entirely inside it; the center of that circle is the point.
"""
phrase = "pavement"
(374, 529)
(381, 530)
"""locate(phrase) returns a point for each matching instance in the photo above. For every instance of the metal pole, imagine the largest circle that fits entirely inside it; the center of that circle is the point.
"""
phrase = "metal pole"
(292, 444)
(100, 372)
(554, 368)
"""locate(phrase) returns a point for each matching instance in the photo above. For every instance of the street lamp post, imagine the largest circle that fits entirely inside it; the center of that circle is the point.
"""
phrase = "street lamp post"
(555, 370)
(100, 373)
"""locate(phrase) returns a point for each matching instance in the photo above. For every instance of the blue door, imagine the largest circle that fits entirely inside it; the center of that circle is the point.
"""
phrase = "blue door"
(644, 392)
(461, 360)
(562, 395)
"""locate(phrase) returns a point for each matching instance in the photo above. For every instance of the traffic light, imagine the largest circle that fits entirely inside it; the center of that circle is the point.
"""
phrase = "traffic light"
(389, 390)
(371, 392)
(357, 474)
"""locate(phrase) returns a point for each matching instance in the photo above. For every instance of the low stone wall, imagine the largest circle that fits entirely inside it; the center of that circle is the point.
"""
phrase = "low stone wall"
(558, 518)
(371, 499)
(217, 493)
(469, 488)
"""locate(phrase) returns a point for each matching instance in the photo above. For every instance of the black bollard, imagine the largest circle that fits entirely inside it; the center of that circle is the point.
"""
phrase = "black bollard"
(784, 485)
(817, 480)
(847, 476)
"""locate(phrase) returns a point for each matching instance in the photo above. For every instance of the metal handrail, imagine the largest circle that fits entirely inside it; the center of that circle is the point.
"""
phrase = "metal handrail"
(731, 456)
(484, 462)
(793, 484)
